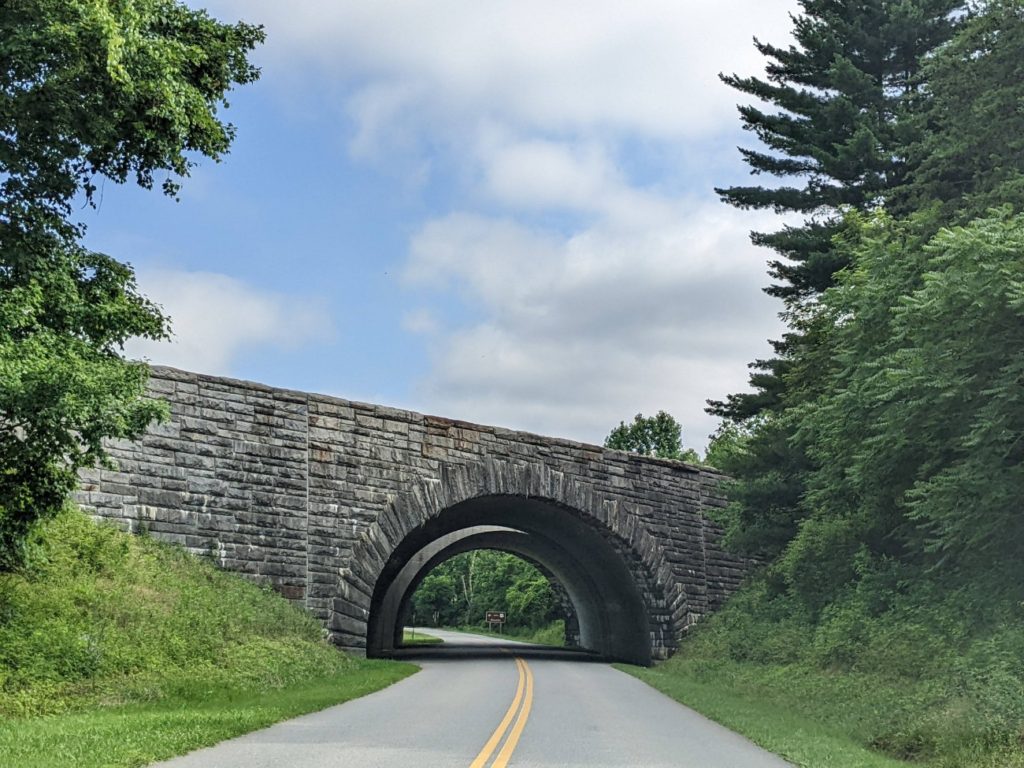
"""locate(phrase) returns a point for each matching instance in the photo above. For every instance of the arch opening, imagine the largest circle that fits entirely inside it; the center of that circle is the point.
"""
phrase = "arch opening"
(607, 587)
(460, 589)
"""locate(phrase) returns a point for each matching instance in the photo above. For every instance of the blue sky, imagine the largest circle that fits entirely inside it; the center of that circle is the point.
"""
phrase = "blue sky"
(498, 212)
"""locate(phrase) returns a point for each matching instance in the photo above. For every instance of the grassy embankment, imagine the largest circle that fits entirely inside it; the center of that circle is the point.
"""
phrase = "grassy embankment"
(419, 638)
(553, 634)
(935, 678)
(118, 651)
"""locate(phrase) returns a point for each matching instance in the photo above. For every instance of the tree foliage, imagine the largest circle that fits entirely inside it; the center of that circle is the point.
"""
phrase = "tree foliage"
(728, 445)
(886, 438)
(461, 590)
(840, 94)
(659, 435)
(118, 90)
(89, 90)
(63, 386)
(967, 154)
(914, 434)
(918, 442)
(843, 100)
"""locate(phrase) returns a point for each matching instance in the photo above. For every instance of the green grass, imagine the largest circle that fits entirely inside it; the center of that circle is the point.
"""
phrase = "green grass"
(138, 734)
(117, 650)
(935, 682)
(770, 721)
(408, 638)
(553, 634)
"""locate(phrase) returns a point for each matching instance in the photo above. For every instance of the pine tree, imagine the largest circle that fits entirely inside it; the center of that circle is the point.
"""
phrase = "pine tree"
(841, 93)
(844, 93)
(968, 149)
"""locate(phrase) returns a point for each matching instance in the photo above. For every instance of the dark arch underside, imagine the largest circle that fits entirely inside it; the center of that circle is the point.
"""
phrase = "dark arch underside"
(609, 590)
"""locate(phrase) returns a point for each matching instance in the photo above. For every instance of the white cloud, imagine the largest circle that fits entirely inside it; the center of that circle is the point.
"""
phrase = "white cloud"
(629, 297)
(216, 318)
(539, 174)
(570, 175)
(646, 67)
(582, 331)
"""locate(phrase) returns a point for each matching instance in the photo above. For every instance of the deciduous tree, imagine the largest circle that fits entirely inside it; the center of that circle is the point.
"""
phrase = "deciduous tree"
(500, 581)
(89, 90)
(659, 435)
(918, 439)
(844, 101)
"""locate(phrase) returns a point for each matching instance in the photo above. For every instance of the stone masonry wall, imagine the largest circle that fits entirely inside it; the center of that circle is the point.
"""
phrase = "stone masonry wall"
(307, 491)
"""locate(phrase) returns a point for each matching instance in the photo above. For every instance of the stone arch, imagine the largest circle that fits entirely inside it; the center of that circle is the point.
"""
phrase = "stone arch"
(607, 586)
(313, 494)
(392, 600)
(528, 496)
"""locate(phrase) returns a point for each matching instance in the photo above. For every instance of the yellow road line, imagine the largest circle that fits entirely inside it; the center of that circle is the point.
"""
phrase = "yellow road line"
(517, 730)
(492, 743)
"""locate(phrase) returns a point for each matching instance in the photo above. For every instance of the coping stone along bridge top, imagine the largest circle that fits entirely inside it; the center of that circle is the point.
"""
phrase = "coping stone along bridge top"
(325, 498)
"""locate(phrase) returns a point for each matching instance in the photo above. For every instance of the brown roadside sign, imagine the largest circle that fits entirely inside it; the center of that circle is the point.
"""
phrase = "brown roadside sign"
(495, 617)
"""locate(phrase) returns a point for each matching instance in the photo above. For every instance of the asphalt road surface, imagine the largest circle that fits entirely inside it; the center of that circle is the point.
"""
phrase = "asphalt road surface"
(480, 702)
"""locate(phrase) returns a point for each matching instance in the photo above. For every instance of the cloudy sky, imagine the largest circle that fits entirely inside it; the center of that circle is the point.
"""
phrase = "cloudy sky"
(498, 212)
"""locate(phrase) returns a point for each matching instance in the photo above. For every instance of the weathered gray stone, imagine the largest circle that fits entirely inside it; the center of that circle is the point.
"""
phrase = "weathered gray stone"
(328, 499)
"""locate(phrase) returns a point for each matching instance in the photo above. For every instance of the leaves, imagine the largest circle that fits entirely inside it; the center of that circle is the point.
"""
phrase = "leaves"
(88, 88)
(839, 129)
(968, 152)
(659, 435)
(460, 590)
(123, 91)
(917, 437)
(889, 424)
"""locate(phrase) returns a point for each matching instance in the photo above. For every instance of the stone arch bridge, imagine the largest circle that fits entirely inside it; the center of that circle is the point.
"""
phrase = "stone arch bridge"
(344, 507)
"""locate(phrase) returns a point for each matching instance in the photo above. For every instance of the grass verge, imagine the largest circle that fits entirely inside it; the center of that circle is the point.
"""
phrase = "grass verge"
(418, 638)
(117, 650)
(765, 720)
(553, 634)
(933, 678)
(139, 734)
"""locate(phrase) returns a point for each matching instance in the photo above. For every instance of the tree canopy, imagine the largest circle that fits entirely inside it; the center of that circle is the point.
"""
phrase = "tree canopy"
(838, 129)
(89, 90)
(917, 439)
(967, 144)
(117, 90)
(887, 434)
(459, 591)
(659, 435)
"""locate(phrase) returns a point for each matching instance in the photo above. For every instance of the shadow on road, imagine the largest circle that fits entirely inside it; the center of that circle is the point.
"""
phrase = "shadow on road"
(452, 650)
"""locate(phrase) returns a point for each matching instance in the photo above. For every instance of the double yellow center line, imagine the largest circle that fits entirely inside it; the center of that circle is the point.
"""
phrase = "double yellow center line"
(519, 711)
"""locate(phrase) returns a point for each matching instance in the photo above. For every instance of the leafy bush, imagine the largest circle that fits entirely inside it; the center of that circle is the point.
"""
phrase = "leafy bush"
(905, 664)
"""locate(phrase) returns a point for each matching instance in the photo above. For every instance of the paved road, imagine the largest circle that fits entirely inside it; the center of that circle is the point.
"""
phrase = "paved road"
(481, 703)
